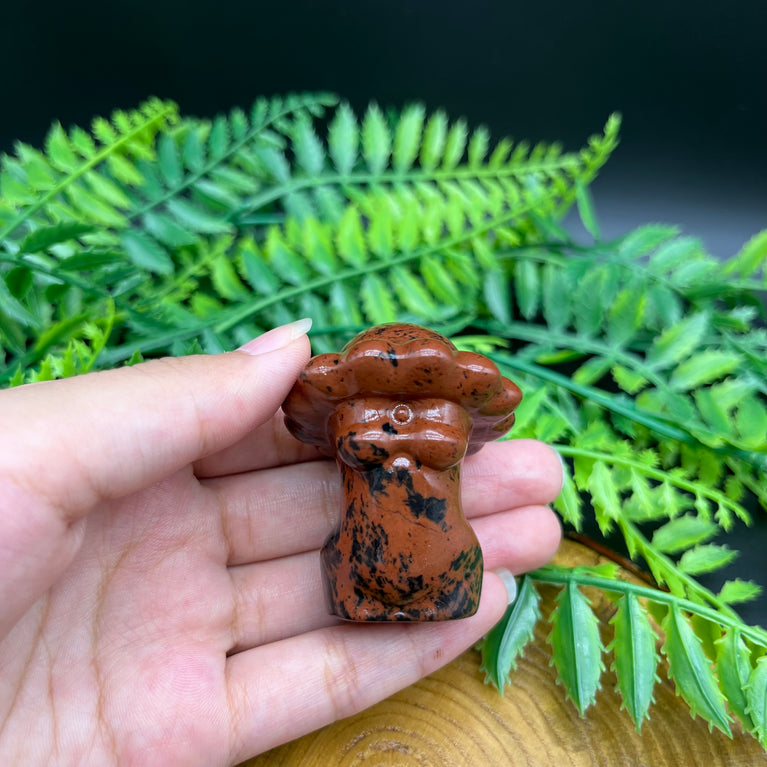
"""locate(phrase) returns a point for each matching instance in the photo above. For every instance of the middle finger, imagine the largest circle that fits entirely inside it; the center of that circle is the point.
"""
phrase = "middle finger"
(283, 511)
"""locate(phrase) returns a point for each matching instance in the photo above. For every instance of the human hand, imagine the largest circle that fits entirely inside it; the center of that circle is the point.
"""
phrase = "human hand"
(160, 593)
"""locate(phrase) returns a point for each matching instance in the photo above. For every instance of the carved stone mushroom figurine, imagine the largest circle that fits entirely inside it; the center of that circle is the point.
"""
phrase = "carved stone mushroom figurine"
(399, 408)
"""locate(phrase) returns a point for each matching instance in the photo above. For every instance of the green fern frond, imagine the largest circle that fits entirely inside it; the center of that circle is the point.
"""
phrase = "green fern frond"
(694, 393)
(386, 255)
(128, 233)
(414, 152)
(628, 489)
(111, 214)
(78, 177)
(737, 681)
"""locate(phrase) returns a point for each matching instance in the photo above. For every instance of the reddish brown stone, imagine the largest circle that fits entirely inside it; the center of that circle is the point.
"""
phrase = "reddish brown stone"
(399, 408)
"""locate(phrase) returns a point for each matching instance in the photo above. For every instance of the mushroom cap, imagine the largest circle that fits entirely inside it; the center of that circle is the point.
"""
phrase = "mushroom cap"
(405, 363)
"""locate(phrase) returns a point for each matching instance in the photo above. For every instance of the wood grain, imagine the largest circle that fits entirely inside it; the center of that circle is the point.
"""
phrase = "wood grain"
(452, 719)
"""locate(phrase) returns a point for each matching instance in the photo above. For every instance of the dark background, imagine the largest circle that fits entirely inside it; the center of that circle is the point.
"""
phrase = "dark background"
(690, 78)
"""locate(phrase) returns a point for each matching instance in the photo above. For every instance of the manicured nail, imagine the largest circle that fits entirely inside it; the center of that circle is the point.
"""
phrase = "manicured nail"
(562, 463)
(277, 338)
(509, 581)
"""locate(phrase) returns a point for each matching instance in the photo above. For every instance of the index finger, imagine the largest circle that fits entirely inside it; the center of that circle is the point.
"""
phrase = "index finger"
(103, 435)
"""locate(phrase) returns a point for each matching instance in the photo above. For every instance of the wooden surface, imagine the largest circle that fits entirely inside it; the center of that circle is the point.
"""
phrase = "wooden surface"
(453, 719)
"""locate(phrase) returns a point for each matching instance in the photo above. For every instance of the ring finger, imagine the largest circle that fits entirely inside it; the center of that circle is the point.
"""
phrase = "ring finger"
(283, 597)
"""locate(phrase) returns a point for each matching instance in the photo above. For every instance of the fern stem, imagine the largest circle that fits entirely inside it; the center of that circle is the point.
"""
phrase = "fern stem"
(580, 576)
(542, 335)
(391, 178)
(97, 159)
(317, 283)
(543, 252)
(712, 289)
(634, 538)
(613, 404)
(604, 252)
(124, 352)
(745, 286)
(757, 358)
(197, 266)
(649, 552)
(594, 395)
(101, 341)
(33, 355)
(694, 488)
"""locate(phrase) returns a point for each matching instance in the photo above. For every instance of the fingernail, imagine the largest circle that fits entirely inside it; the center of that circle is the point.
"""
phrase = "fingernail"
(562, 463)
(277, 338)
(509, 581)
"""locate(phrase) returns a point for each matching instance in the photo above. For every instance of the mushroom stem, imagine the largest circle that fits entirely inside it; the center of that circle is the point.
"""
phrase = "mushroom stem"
(413, 555)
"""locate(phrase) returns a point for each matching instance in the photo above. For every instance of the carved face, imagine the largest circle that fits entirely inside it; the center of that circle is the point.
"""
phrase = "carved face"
(391, 379)
(372, 431)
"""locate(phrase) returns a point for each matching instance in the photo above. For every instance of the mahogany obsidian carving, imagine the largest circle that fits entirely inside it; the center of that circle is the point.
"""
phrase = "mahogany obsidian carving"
(399, 408)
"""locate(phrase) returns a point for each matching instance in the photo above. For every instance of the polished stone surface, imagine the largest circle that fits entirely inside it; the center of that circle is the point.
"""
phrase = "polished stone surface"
(399, 408)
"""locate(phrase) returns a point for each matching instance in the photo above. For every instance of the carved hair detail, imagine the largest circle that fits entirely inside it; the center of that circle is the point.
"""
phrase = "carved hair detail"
(407, 362)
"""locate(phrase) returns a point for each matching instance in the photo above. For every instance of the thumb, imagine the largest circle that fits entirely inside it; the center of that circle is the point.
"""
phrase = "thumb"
(69, 444)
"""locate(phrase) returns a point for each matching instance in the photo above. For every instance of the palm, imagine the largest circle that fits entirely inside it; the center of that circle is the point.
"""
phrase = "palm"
(137, 632)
